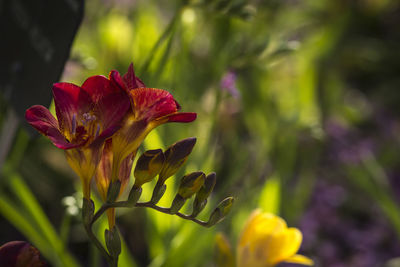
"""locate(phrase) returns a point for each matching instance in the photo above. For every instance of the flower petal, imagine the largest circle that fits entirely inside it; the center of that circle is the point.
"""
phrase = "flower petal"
(70, 100)
(116, 79)
(281, 246)
(130, 79)
(259, 225)
(42, 120)
(103, 173)
(111, 102)
(104, 136)
(300, 259)
(182, 117)
(152, 103)
(97, 87)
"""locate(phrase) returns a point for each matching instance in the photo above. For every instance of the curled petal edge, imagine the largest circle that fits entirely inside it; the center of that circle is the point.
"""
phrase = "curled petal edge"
(183, 117)
(41, 119)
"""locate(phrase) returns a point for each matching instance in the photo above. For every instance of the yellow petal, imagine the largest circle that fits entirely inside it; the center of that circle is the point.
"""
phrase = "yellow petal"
(260, 225)
(282, 245)
(300, 259)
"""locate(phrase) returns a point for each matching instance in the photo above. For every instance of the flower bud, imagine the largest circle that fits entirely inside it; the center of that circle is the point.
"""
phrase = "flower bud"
(177, 204)
(207, 188)
(113, 241)
(190, 184)
(148, 166)
(134, 195)
(198, 207)
(175, 156)
(201, 197)
(221, 211)
(158, 192)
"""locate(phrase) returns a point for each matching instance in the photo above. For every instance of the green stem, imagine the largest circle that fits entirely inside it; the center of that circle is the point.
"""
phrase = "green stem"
(98, 244)
(126, 204)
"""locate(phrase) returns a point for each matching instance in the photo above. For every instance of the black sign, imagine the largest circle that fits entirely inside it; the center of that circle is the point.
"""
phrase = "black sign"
(35, 40)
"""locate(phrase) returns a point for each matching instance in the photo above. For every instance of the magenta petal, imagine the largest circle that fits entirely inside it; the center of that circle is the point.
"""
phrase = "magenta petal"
(104, 136)
(152, 103)
(42, 120)
(182, 117)
(130, 79)
(111, 101)
(97, 87)
(112, 108)
(115, 78)
(70, 100)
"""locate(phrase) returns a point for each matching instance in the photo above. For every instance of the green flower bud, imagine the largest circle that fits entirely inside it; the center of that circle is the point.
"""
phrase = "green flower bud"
(221, 211)
(175, 156)
(201, 197)
(113, 242)
(198, 207)
(177, 204)
(87, 211)
(158, 192)
(134, 195)
(113, 191)
(207, 188)
(148, 166)
(191, 183)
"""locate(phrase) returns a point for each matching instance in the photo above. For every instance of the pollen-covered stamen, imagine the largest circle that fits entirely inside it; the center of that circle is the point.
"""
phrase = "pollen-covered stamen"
(87, 118)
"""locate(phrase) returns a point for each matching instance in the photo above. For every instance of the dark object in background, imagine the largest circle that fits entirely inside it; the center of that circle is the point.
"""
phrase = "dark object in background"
(18, 254)
(36, 38)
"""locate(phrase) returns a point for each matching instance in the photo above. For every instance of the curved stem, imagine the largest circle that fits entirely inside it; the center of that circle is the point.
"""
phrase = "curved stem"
(126, 204)
(97, 243)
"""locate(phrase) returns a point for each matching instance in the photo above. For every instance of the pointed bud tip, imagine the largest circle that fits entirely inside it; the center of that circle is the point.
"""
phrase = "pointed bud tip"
(191, 184)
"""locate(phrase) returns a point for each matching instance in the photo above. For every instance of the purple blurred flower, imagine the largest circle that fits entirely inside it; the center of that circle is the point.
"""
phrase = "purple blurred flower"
(338, 235)
(228, 83)
(348, 146)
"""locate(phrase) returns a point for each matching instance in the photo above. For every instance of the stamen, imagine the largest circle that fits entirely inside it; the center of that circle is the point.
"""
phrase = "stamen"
(74, 124)
(97, 131)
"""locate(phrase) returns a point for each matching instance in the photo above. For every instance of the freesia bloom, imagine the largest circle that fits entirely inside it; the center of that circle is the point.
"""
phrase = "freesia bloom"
(86, 117)
(266, 241)
(151, 107)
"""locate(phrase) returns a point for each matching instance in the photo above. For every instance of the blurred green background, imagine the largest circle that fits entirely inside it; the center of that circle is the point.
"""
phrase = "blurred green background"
(298, 114)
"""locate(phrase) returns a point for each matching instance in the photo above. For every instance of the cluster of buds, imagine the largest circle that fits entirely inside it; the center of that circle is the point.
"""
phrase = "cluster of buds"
(166, 164)
(100, 126)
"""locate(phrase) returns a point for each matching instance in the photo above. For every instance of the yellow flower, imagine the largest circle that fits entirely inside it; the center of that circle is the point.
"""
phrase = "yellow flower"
(266, 241)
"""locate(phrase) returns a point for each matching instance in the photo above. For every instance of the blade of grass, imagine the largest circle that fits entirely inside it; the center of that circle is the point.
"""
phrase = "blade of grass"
(21, 222)
(37, 214)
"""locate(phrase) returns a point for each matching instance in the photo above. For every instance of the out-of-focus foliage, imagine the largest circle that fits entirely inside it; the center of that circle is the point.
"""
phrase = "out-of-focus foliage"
(297, 106)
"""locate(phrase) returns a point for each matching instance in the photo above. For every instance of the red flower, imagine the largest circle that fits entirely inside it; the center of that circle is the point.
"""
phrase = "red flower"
(86, 117)
(150, 108)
